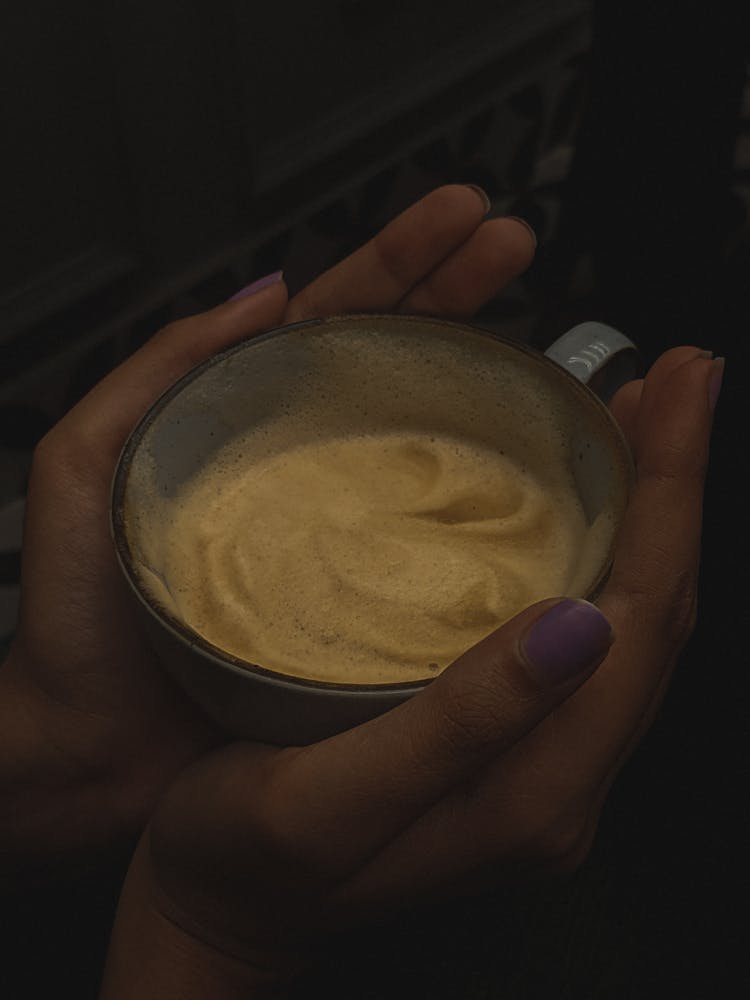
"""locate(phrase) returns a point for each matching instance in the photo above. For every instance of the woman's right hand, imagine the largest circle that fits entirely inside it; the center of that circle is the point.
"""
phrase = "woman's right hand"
(257, 855)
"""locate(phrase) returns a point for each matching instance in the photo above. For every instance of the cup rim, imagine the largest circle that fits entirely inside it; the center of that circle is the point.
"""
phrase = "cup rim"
(222, 658)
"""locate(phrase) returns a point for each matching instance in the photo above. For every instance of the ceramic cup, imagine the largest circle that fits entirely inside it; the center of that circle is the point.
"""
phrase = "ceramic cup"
(359, 373)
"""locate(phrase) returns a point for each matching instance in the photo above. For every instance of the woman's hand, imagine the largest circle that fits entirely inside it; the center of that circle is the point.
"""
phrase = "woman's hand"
(91, 729)
(498, 768)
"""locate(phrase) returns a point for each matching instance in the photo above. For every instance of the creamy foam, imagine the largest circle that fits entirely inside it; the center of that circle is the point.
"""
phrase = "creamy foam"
(363, 501)
(370, 559)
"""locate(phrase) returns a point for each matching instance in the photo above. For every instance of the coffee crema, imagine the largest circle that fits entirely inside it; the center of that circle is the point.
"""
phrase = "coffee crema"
(367, 558)
(361, 500)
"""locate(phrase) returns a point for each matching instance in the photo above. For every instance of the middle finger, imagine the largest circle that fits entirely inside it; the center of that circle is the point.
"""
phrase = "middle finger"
(496, 253)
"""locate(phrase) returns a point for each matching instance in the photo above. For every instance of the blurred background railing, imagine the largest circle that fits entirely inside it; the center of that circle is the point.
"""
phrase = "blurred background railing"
(159, 154)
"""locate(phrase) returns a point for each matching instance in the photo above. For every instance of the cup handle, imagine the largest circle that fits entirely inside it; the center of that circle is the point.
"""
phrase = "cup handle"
(597, 355)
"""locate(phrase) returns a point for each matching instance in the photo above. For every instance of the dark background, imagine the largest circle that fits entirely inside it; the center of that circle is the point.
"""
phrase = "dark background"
(158, 155)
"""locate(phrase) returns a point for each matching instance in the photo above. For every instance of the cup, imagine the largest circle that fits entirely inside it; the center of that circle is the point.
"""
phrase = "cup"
(352, 375)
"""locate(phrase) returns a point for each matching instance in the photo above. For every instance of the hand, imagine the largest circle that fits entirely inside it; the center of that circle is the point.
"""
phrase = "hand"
(256, 852)
(94, 728)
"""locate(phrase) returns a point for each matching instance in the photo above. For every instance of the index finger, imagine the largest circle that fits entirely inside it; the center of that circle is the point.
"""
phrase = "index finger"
(381, 273)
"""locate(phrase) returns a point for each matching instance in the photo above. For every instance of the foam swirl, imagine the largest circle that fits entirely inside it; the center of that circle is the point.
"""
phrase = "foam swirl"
(369, 559)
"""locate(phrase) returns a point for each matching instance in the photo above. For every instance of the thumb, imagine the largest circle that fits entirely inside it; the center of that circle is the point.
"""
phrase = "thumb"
(398, 765)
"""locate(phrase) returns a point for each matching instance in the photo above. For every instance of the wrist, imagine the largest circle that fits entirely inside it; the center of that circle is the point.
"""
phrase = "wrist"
(151, 955)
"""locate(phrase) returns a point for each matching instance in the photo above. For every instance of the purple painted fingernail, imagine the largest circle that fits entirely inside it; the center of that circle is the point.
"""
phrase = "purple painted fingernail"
(258, 286)
(714, 386)
(565, 642)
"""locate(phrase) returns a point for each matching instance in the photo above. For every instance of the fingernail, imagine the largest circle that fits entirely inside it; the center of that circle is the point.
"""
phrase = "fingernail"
(483, 196)
(714, 386)
(517, 218)
(565, 642)
(258, 286)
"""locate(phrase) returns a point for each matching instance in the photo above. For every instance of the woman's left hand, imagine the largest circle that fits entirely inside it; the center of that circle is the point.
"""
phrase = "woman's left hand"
(91, 728)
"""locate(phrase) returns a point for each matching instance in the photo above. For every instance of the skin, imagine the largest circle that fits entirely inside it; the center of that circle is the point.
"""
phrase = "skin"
(486, 774)
(91, 729)
(257, 856)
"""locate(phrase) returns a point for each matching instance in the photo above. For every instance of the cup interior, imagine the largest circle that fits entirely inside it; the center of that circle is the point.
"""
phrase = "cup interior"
(361, 375)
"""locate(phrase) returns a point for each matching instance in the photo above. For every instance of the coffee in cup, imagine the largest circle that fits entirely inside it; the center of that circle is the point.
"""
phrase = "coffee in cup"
(373, 558)
(348, 505)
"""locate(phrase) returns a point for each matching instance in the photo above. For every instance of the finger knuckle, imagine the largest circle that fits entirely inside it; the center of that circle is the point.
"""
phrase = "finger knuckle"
(275, 835)
(678, 461)
(477, 711)
(464, 725)
(571, 850)
(300, 844)
(673, 612)
(554, 838)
